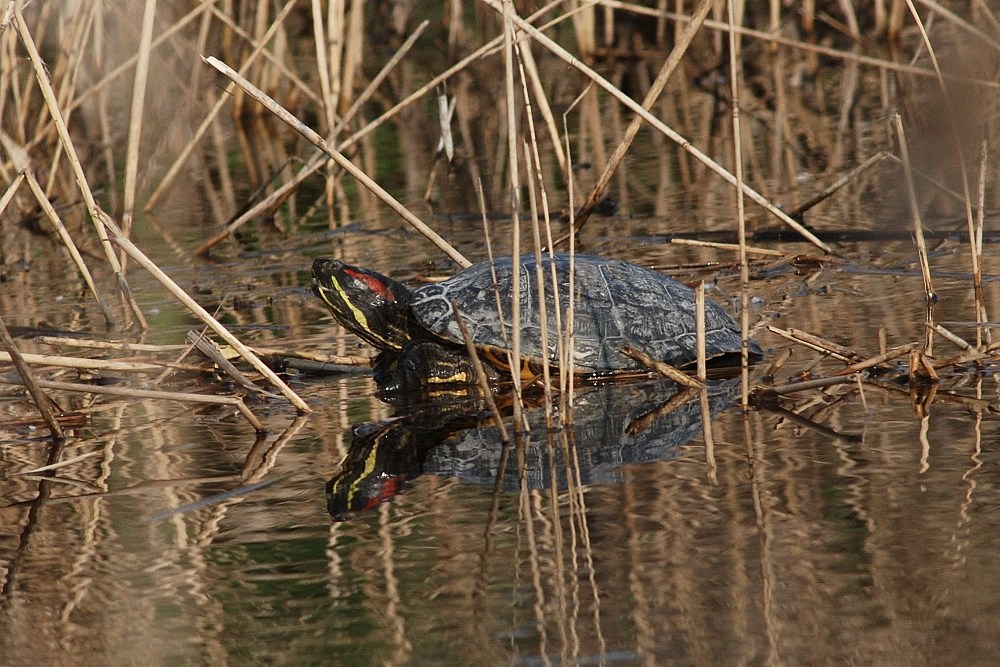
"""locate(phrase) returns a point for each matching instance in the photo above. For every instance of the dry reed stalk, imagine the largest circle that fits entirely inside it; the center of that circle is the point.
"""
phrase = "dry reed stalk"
(353, 52)
(534, 169)
(205, 316)
(699, 330)
(339, 158)
(750, 250)
(982, 331)
(61, 464)
(90, 364)
(661, 367)
(807, 385)
(42, 402)
(838, 184)
(481, 379)
(807, 47)
(951, 116)
(181, 397)
(659, 125)
(226, 95)
(708, 436)
(536, 180)
(318, 160)
(951, 337)
(281, 69)
(8, 194)
(878, 360)
(652, 95)
(318, 357)
(527, 61)
(816, 343)
(81, 179)
(918, 233)
(135, 120)
(515, 205)
(324, 68)
(121, 346)
(67, 239)
(207, 347)
(735, 78)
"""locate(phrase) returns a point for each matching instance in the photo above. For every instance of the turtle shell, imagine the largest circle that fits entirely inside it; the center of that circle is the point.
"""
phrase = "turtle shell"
(617, 304)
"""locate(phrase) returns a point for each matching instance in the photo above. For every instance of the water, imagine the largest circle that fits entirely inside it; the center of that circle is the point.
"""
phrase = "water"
(857, 524)
(855, 531)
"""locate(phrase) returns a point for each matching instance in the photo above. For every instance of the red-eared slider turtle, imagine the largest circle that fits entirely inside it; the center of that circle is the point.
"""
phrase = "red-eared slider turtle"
(616, 304)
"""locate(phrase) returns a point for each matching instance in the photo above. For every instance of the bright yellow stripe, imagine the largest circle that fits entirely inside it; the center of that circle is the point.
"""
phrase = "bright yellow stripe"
(352, 490)
(359, 317)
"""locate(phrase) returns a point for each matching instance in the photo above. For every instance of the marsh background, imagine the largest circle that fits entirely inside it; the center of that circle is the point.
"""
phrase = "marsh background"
(859, 525)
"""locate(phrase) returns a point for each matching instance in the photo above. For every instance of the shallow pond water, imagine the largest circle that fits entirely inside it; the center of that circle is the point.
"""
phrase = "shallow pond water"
(843, 527)
(856, 523)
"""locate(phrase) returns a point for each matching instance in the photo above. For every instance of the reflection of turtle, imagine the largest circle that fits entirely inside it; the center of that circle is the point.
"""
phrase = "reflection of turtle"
(615, 425)
(616, 304)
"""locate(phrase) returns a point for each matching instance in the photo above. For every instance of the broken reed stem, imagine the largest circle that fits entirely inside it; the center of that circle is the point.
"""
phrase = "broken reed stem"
(730, 246)
(566, 341)
(918, 232)
(205, 317)
(82, 363)
(658, 124)
(735, 75)
(806, 385)
(951, 337)
(878, 360)
(673, 60)
(208, 347)
(305, 131)
(816, 343)
(661, 367)
(37, 395)
(126, 392)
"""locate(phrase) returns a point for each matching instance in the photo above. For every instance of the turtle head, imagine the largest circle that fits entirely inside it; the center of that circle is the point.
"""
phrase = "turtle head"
(368, 304)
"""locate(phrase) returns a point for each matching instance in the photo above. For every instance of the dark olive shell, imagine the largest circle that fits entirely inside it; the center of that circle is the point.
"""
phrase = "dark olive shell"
(617, 304)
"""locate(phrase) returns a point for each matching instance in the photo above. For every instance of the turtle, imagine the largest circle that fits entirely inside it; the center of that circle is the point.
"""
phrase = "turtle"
(616, 304)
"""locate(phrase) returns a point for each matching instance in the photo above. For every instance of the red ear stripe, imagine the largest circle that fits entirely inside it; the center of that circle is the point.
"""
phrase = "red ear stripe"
(374, 284)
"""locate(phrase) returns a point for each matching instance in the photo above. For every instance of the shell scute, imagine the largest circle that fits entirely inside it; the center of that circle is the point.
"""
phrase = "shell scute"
(617, 304)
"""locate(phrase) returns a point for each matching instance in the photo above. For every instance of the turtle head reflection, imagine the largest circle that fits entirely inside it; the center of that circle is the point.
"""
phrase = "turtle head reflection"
(613, 426)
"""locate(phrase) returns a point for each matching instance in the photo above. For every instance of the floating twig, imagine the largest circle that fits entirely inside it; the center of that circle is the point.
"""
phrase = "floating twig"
(661, 367)
(182, 397)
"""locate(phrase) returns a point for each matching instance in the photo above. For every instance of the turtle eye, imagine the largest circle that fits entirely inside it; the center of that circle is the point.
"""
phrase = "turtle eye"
(379, 287)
